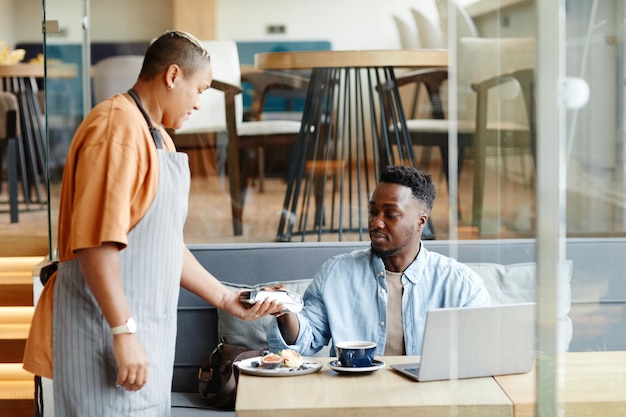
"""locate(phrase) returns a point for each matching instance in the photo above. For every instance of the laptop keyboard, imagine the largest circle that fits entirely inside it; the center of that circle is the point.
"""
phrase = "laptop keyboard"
(415, 371)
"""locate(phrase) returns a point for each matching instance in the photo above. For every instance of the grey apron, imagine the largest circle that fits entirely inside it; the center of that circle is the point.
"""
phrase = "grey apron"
(84, 367)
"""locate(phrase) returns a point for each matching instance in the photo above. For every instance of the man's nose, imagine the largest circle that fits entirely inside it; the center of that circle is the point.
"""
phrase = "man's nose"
(376, 221)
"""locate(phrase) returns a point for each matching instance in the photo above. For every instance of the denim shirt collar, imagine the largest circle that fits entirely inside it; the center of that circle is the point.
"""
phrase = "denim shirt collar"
(413, 271)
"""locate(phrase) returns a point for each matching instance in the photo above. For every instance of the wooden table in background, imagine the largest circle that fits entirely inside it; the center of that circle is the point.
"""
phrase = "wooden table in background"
(593, 384)
(21, 80)
(381, 393)
(345, 136)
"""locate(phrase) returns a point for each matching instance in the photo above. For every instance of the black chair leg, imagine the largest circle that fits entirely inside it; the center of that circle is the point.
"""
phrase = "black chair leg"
(11, 129)
(12, 177)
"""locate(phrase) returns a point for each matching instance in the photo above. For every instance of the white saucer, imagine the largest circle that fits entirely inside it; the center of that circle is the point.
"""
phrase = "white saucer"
(376, 365)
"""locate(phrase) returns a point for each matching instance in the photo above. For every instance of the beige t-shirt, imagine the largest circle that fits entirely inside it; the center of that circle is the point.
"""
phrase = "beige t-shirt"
(395, 331)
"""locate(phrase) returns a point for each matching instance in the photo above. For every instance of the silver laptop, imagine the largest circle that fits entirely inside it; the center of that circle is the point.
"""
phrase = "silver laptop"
(475, 342)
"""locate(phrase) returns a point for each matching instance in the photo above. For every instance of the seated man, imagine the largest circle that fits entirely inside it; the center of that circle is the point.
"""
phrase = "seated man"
(382, 294)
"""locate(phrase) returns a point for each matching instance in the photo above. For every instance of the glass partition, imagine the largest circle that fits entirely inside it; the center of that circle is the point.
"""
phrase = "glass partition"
(504, 207)
(535, 174)
(592, 152)
(64, 41)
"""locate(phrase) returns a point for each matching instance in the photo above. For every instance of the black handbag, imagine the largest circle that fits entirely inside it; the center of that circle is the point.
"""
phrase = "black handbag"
(218, 377)
(47, 271)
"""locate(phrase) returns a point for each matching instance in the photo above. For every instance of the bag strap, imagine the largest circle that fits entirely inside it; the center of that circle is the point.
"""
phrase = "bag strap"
(205, 373)
(38, 397)
(222, 398)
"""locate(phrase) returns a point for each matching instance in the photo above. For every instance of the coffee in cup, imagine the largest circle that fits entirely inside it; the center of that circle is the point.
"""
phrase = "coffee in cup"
(355, 354)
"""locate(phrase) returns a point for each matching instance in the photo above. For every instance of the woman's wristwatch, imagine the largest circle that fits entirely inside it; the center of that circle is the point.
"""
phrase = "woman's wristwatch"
(129, 327)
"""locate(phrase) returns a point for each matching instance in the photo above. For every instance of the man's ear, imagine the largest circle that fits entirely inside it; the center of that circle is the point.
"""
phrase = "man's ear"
(421, 221)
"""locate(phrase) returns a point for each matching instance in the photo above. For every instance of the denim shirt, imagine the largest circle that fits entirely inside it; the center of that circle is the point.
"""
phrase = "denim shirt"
(347, 300)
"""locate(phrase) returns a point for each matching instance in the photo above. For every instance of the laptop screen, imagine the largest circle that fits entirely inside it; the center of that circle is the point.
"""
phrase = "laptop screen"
(478, 341)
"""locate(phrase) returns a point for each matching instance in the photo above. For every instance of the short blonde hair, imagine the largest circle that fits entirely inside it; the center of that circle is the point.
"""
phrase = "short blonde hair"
(174, 47)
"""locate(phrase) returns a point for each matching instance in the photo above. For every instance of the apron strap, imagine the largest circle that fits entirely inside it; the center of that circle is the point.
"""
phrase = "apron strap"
(154, 132)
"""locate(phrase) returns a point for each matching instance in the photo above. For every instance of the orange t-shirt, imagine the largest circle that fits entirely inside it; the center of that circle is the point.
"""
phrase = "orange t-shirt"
(110, 178)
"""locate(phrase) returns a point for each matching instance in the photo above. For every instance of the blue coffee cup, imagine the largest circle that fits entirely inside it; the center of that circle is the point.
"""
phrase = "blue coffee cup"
(355, 354)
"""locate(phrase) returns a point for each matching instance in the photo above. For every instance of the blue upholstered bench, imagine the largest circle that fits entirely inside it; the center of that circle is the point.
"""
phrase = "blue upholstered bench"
(595, 265)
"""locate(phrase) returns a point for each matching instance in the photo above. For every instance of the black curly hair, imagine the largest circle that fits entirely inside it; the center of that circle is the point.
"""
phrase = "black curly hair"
(419, 182)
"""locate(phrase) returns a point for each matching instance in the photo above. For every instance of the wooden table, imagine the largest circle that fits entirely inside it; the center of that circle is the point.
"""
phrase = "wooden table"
(382, 393)
(344, 136)
(593, 384)
(413, 58)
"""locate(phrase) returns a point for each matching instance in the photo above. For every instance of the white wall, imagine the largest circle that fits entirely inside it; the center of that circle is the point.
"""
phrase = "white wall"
(6, 22)
(347, 24)
(129, 20)
(112, 20)
(27, 20)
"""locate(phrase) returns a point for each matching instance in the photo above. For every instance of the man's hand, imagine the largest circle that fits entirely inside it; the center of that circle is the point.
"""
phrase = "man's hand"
(289, 327)
(132, 362)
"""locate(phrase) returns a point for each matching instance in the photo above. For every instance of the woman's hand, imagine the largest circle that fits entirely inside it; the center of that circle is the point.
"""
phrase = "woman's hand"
(202, 283)
(247, 311)
(132, 362)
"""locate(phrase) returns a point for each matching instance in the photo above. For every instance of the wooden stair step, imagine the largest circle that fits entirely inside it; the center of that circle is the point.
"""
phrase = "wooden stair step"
(17, 391)
(19, 263)
(17, 407)
(13, 375)
(14, 327)
(16, 277)
(14, 372)
(16, 314)
(16, 280)
(17, 387)
(16, 294)
(12, 351)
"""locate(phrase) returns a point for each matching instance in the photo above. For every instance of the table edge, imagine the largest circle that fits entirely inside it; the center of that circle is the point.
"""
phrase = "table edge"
(410, 58)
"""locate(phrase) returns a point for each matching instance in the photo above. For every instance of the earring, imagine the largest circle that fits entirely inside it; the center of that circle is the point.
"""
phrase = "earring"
(170, 86)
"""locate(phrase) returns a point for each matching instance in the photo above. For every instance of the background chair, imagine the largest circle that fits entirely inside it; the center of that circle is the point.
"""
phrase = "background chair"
(465, 27)
(115, 75)
(499, 98)
(430, 33)
(290, 88)
(221, 111)
(495, 105)
(408, 36)
(8, 145)
(430, 36)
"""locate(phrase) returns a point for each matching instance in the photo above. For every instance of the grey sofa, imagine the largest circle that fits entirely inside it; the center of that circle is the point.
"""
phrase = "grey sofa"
(598, 291)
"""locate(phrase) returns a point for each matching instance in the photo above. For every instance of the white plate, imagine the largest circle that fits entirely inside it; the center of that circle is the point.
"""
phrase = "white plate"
(247, 366)
(376, 365)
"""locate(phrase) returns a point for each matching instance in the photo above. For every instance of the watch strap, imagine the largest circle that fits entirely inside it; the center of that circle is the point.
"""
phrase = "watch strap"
(129, 326)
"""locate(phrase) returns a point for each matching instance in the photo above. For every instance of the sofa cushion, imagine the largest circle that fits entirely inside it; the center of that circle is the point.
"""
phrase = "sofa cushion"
(516, 283)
